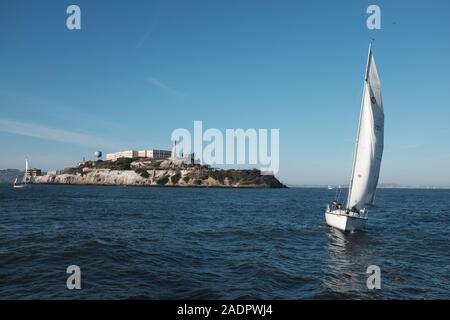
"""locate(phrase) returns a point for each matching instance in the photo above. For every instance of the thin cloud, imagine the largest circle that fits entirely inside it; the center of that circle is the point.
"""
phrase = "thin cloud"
(155, 82)
(48, 107)
(49, 133)
(149, 31)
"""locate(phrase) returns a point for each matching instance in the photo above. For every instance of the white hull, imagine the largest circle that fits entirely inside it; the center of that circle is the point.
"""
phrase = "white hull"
(19, 186)
(339, 219)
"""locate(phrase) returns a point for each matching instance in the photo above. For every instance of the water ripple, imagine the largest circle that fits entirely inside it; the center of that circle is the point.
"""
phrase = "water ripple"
(158, 243)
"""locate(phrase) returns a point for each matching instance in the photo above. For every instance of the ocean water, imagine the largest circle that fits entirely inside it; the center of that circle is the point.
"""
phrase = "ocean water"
(179, 243)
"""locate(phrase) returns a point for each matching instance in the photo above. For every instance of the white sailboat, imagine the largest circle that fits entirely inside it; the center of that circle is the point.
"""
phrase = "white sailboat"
(25, 181)
(367, 159)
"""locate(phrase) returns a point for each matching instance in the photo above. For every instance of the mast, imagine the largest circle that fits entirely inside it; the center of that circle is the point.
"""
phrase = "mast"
(369, 58)
(366, 77)
(26, 170)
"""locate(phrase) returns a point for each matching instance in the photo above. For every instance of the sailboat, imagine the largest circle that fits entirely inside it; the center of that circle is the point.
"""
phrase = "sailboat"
(367, 158)
(24, 180)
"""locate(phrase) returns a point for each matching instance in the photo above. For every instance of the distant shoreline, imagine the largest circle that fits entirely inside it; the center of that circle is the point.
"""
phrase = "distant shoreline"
(379, 187)
(226, 187)
(158, 186)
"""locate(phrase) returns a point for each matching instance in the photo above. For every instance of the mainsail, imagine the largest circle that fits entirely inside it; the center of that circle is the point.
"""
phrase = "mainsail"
(369, 144)
(26, 171)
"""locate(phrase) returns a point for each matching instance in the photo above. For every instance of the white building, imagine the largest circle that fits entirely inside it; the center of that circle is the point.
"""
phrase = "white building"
(142, 154)
(190, 159)
(161, 154)
(122, 154)
(174, 155)
(34, 172)
(151, 154)
(155, 154)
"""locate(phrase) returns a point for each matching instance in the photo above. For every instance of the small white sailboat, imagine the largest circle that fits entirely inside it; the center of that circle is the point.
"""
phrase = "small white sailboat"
(16, 185)
(25, 181)
(367, 158)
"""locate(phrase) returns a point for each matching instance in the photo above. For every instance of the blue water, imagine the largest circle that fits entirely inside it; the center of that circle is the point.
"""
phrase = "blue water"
(167, 243)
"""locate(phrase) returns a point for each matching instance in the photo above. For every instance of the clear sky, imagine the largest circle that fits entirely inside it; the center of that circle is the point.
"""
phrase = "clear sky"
(140, 69)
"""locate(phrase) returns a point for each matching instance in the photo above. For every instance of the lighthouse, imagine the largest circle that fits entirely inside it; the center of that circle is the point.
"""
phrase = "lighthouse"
(174, 150)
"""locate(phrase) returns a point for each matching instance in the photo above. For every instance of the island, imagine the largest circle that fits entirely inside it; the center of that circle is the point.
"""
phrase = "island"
(157, 172)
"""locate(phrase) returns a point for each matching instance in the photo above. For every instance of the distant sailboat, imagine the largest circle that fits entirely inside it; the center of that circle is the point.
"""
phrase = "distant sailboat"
(25, 181)
(367, 159)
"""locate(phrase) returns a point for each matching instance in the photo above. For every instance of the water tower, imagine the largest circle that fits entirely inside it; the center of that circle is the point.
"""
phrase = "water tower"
(98, 155)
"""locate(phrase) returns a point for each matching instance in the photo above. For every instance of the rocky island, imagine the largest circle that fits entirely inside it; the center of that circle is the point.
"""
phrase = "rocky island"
(153, 172)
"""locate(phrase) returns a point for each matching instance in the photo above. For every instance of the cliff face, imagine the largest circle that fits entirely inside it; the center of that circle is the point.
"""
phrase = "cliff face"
(182, 177)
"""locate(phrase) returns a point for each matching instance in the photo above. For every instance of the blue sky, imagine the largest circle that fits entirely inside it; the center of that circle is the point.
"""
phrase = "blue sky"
(140, 69)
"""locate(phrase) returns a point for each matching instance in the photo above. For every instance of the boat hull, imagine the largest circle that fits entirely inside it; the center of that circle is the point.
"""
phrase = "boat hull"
(20, 186)
(339, 219)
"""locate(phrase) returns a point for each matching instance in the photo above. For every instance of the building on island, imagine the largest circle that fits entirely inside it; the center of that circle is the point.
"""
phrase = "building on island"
(154, 154)
(173, 155)
(151, 154)
(34, 172)
(179, 159)
(190, 159)
(122, 154)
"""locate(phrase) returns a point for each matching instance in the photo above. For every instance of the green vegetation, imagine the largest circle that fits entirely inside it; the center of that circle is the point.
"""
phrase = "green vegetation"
(156, 164)
(235, 177)
(76, 170)
(142, 172)
(175, 178)
(163, 181)
(119, 164)
(145, 174)
(218, 175)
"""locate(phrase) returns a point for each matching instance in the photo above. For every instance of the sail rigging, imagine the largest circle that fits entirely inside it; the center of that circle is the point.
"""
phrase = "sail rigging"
(369, 144)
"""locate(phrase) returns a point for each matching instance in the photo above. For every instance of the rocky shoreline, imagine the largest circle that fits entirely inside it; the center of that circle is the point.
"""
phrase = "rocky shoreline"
(164, 173)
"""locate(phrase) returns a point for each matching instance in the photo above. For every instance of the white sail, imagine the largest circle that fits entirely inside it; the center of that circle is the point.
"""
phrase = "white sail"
(26, 171)
(369, 145)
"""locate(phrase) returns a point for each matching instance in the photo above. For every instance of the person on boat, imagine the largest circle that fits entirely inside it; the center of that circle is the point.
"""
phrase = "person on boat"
(334, 205)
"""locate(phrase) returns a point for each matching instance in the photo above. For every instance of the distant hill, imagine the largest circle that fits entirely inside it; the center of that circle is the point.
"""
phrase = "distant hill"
(380, 186)
(8, 175)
